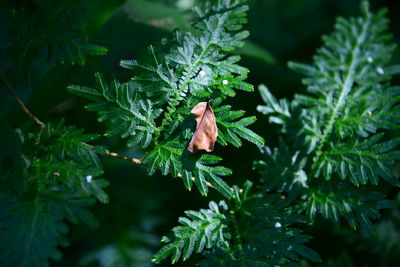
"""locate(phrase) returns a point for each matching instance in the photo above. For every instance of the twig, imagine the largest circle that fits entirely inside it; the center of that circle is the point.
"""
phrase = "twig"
(24, 108)
(116, 155)
(43, 126)
(137, 161)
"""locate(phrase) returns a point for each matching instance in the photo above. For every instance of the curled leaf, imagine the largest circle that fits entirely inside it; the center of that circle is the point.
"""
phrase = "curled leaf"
(206, 130)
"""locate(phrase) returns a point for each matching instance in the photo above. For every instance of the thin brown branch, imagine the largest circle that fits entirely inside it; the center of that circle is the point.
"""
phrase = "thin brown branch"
(116, 155)
(139, 161)
(136, 161)
(43, 126)
(24, 108)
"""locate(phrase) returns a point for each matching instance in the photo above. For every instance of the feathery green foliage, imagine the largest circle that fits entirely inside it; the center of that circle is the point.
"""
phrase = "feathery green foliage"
(118, 103)
(46, 178)
(56, 182)
(335, 135)
(251, 229)
(199, 230)
(53, 35)
(333, 151)
(153, 110)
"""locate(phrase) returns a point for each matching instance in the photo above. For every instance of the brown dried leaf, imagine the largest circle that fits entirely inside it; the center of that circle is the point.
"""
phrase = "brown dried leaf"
(206, 130)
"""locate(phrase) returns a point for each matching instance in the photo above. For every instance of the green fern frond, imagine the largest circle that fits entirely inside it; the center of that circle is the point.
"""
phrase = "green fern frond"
(198, 231)
(43, 34)
(261, 230)
(370, 111)
(118, 104)
(199, 62)
(348, 67)
(203, 172)
(360, 162)
(62, 159)
(167, 158)
(153, 110)
(231, 129)
(278, 111)
(283, 171)
(358, 208)
(250, 230)
(59, 175)
(77, 51)
(301, 127)
(338, 127)
(31, 232)
(33, 229)
(198, 67)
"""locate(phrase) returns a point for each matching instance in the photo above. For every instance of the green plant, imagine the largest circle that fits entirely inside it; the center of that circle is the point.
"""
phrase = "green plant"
(332, 149)
(334, 146)
(335, 133)
(152, 111)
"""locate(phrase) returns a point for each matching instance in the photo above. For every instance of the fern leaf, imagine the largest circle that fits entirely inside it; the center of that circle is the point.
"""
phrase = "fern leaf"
(278, 112)
(358, 208)
(165, 157)
(201, 230)
(260, 233)
(204, 172)
(360, 161)
(337, 128)
(250, 230)
(130, 118)
(347, 67)
(231, 131)
(283, 170)
(153, 110)
(60, 175)
(50, 36)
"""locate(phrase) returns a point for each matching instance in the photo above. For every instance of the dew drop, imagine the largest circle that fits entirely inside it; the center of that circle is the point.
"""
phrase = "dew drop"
(89, 178)
(225, 82)
(380, 71)
(278, 225)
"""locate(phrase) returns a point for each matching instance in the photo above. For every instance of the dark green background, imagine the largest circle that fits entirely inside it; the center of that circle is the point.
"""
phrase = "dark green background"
(144, 208)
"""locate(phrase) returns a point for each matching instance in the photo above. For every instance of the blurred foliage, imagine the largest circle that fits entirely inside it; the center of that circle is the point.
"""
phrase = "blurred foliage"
(143, 208)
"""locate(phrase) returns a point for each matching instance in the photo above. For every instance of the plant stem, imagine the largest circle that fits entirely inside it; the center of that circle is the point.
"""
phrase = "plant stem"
(139, 161)
(24, 108)
(344, 91)
(43, 126)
